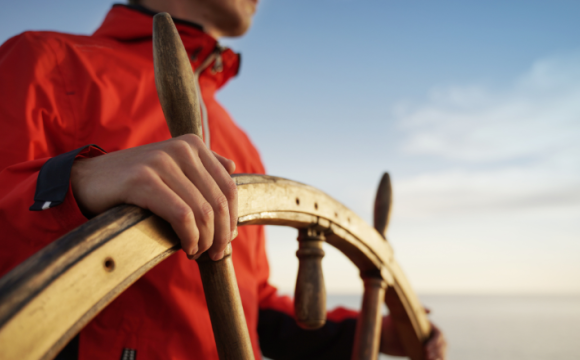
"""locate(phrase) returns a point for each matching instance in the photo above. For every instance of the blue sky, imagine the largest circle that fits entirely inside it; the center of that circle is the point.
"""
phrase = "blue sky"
(472, 106)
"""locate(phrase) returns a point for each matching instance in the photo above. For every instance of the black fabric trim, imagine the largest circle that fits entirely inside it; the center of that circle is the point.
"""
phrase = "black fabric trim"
(54, 179)
(129, 354)
(282, 339)
(70, 351)
(147, 11)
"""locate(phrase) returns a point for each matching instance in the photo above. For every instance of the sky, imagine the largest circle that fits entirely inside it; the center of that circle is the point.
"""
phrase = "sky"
(473, 108)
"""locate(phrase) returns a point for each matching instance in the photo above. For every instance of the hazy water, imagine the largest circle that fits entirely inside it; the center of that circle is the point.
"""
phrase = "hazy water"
(509, 327)
(501, 327)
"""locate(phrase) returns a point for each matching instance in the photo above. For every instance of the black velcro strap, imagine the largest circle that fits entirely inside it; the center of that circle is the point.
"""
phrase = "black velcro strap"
(54, 179)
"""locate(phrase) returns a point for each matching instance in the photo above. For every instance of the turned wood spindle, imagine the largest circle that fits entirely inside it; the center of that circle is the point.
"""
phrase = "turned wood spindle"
(179, 101)
(310, 293)
(368, 331)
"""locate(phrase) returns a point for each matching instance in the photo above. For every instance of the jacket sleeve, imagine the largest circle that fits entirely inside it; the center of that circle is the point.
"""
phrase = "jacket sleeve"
(35, 126)
(282, 339)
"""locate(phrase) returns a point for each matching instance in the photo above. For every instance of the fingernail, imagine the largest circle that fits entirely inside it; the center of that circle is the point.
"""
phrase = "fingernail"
(218, 256)
(191, 255)
(234, 234)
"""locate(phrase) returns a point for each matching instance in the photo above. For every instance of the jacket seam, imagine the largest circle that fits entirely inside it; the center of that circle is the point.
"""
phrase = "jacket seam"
(67, 99)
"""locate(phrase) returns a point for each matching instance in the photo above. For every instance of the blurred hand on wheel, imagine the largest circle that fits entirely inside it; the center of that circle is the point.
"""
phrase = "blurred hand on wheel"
(435, 348)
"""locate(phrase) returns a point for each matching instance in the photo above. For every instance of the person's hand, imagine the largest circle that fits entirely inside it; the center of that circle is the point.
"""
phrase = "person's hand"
(435, 348)
(179, 179)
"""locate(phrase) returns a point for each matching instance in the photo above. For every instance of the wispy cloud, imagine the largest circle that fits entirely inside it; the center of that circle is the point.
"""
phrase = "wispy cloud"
(539, 115)
(498, 207)
(514, 147)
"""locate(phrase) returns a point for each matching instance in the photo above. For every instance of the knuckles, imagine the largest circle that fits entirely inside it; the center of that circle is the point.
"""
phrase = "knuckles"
(185, 149)
(188, 142)
(221, 202)
(179, 147)
(206, 214)
(230, 189)
(183, 215)
(159, 159)
(140, 177)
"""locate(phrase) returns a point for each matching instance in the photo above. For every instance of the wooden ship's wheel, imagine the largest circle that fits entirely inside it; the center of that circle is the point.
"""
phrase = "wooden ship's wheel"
(48, 299)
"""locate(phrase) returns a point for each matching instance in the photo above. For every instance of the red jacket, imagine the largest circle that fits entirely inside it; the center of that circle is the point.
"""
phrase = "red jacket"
(60, 92)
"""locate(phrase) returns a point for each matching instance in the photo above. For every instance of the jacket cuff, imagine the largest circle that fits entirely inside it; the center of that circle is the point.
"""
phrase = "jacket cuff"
(53, 180)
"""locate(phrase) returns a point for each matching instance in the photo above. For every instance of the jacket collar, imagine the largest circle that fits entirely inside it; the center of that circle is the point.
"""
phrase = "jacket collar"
(130, 24)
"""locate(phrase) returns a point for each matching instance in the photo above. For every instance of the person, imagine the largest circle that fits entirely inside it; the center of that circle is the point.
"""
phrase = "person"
(83, 131)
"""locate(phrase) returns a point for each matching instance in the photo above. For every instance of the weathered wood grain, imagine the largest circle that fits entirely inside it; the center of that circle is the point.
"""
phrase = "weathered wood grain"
(177, 92)
(362, 244)
(51, 300)
(26, 281)
(174, 79)
(50, 324)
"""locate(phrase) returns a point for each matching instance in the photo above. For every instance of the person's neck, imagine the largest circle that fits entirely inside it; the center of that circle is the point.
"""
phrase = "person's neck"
(185, 10)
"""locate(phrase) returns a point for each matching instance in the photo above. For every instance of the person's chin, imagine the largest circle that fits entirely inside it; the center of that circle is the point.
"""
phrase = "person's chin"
(240, 30)
(238, 27)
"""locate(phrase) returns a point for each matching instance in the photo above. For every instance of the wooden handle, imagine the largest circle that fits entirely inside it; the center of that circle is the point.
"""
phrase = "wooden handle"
(225, 307)
(368, 326)
(383, 202)
(174, 79)
(178, 97)
(310, 292)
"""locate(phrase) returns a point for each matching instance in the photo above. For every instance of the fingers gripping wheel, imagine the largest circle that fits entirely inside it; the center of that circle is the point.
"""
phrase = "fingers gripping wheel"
(47, 299)
(310, 293)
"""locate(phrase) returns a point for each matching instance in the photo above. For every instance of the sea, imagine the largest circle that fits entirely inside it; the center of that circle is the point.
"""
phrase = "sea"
(500, 327)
